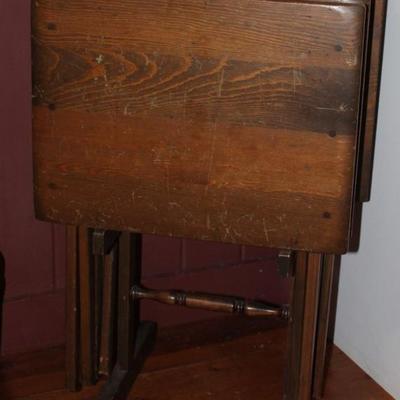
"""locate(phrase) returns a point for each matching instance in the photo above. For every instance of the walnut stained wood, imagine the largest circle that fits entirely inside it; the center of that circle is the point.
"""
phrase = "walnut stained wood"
(108, 327)
(377, 33)
(302, 328)
(325, 303)
(212, 302)
(225, 120)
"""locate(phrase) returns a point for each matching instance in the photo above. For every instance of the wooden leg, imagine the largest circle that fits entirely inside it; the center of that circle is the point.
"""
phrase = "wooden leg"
(99, 261)
(104, 248)
(323, 324)
(334, 299)
(135, 339)
(302, 330)
(109, 313)
(72, 305)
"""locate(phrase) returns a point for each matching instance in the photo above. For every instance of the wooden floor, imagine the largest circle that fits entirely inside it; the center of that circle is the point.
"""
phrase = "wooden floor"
(224, 360)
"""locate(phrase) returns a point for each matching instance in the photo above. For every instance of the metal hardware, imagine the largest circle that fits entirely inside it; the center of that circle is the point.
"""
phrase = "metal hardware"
(103, 241)
(286, 261)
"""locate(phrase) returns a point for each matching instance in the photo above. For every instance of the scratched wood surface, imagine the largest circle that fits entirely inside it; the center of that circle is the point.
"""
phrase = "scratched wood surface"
(220, 120)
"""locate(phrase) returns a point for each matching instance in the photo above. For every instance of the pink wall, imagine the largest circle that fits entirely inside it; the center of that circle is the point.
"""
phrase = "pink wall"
(33, 289)
(34, 252)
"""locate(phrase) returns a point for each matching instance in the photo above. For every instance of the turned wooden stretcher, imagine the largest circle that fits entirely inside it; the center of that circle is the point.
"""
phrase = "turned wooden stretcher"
(248, 122)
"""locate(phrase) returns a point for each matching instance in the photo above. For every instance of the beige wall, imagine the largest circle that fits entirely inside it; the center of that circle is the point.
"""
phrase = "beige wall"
(368, 319)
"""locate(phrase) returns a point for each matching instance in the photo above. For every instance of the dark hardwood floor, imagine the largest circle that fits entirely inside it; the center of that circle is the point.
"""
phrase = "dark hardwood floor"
(227, 359)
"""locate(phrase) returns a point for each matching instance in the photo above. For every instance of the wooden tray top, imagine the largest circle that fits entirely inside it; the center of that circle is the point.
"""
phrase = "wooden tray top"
(226, 120)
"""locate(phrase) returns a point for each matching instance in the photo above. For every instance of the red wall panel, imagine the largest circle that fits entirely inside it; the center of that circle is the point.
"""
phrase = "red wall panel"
(25, 244)
(23, 241)
(34, 252)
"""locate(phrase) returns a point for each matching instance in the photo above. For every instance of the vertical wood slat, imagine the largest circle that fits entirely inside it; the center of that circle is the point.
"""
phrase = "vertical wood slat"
(108, 320)
(103, 247)
(98, 274)
(72, 311)
(334, 299)
(305, 295)
(133, 343)
(86, 285)
(327, 279)
(310, 324)
(129, 270)
(294, 335)
(378, 15)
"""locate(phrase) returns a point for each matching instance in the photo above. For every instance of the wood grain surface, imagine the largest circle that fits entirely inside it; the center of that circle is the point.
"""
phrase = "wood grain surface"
(302, 326)
(330, 262)
(219, 120)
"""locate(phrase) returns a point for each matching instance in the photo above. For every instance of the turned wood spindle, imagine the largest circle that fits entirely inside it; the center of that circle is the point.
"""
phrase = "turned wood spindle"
(212, 302)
